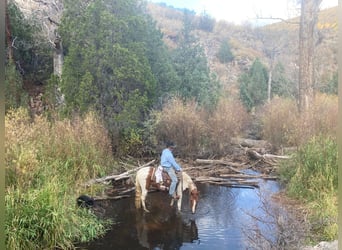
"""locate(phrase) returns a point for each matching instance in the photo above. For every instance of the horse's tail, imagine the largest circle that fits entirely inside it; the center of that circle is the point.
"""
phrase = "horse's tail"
(137, 193)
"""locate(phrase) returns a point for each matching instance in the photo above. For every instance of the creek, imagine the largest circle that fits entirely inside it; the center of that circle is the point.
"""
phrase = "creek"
(226, 218)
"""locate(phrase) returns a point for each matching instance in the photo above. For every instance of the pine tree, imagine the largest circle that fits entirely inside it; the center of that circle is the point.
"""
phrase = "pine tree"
(253, 85)
(191, 65)
(224, 54)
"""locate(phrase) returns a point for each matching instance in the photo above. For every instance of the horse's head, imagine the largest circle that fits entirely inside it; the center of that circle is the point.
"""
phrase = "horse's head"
(194, 196)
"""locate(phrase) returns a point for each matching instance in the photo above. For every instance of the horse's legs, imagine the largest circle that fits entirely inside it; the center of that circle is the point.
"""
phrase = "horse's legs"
(143, 197)
(172, 202)
(179, 202)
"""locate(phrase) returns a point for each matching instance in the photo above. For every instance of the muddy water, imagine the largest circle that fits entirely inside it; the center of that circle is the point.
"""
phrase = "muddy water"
(225, 219)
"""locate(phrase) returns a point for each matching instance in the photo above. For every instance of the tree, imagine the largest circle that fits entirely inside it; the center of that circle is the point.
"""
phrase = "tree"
(26, 48)
(225, 54)
(253, 85)
(196, 81)
(206, 22)
(281, 85)
(115, 62)
(307, 35)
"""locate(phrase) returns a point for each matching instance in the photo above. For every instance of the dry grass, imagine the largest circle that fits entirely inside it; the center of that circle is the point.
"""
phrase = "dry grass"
(182, 123)
(80, 146)
(284, 126)
(227, 121)
(198, 131)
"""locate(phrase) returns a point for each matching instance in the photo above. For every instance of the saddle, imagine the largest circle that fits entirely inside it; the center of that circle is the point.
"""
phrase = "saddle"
(152, 182)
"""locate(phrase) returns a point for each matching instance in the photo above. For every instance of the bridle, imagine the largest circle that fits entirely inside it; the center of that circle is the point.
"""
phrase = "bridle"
(193, 195)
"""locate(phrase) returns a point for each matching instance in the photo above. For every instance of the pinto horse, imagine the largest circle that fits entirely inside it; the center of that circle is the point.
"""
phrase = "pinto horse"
(184, 183)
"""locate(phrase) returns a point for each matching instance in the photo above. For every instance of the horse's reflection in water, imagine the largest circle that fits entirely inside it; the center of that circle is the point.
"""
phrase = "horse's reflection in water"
(164, 229)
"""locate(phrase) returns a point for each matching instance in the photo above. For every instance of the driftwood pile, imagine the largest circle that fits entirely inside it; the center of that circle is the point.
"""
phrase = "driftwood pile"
(232, 172)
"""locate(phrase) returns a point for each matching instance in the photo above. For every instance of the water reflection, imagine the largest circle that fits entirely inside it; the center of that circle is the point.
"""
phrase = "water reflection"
(219, 222)
(156, 233)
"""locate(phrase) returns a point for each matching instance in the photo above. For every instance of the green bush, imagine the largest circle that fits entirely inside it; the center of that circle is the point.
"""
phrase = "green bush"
(312, 177)
(45, 218)
(15, 95)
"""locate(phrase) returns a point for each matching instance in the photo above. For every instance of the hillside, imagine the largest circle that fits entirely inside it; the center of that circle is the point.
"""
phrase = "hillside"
(248, 43)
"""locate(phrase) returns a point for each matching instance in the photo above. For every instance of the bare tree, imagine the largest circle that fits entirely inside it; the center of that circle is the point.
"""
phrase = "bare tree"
(307, 35)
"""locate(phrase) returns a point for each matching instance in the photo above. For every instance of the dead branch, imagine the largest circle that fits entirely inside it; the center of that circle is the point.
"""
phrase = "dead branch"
(119, 197)
(121, 176)
(226, 182)
(230, 164)
(247, 176)
(256, 156)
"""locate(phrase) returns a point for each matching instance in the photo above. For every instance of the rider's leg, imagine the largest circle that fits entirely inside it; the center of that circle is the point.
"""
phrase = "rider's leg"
(174, 181)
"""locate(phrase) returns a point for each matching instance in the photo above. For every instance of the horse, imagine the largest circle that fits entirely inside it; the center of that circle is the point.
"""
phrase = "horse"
(184, 183)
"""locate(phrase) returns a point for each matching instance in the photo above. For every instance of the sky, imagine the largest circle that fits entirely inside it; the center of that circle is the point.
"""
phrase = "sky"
(242, 11)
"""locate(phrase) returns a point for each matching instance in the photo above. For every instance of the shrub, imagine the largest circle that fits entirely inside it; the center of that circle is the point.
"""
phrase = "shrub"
(224, 54)
(227, 121)
(196, 131)
(312, 177)
(278, 119)
(46, 219)
(183, 124)
(284, 126)
(15, 95)
(47, 164)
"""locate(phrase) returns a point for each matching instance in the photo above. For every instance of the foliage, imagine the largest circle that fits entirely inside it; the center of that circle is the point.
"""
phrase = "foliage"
(116, 63)
(332, 86)
(225, 54)
(182, 123)
(195, 130)
(206, 22)
(47, 164)
(31, 54)
(253, 85)
(132, 143)
(43, 218)
(192, 68)
(15, 95)
(312, 177)
(281, 85)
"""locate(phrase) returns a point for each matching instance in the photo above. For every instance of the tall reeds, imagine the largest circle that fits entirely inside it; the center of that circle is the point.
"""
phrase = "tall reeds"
(47, 164)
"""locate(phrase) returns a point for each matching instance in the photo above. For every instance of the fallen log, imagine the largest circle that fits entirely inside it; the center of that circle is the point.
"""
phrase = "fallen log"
(118, 197)
(121, 176)
(250, 143)
(247, 176)
(218, 162)
(226, 182)
(230, 165)
(256, 156)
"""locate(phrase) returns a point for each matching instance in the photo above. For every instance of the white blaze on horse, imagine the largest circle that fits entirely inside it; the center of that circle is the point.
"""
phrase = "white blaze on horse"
(185, 182)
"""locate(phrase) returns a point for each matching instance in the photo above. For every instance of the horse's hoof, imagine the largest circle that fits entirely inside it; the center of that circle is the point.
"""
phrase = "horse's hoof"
(147, 211)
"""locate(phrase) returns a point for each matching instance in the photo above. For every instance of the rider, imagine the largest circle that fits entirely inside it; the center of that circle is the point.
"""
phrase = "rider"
(169, 164)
